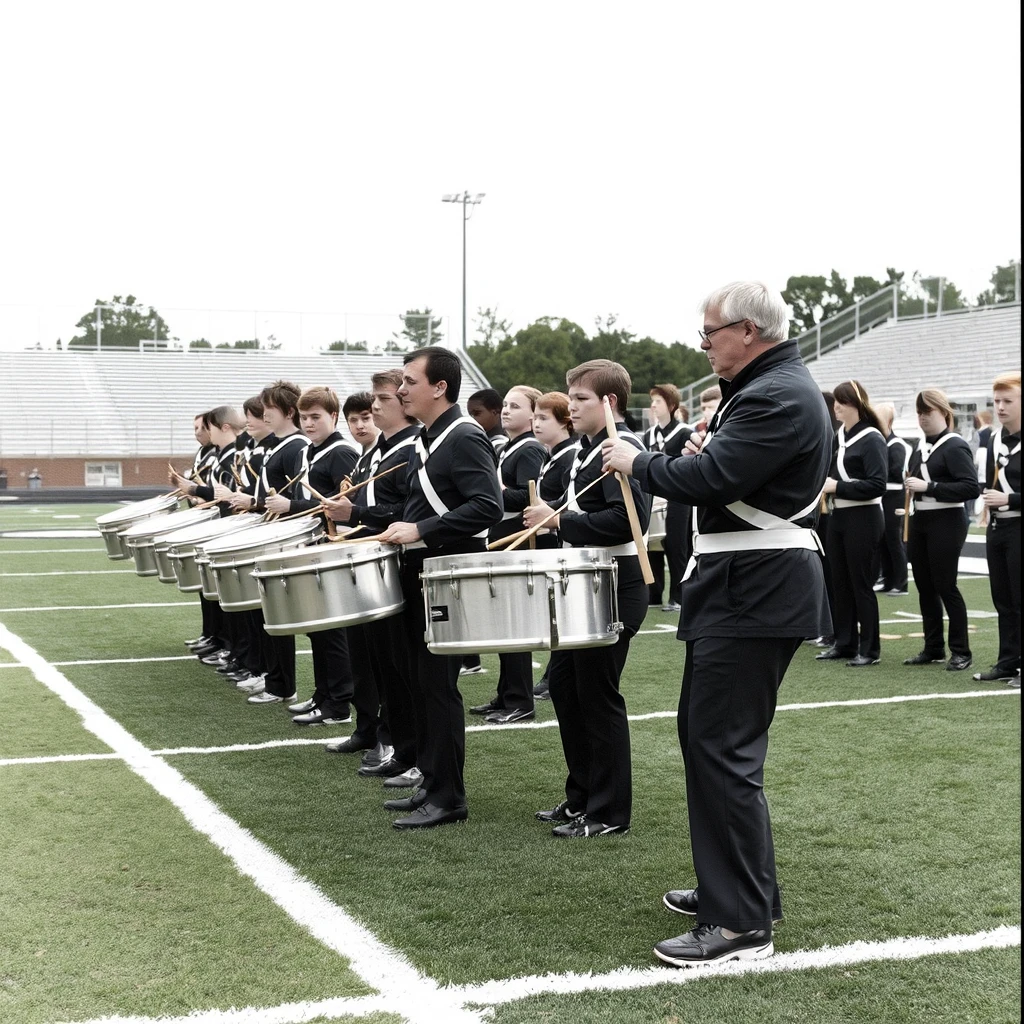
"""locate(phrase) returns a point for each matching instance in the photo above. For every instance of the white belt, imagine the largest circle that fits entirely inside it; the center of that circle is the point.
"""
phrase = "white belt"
(1009, 514)
(415, 544)
(929, 504)
(851, 503)
(894, 487)
(754, 540)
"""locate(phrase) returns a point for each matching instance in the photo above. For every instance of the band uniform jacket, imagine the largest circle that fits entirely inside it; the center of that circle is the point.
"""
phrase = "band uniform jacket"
(899, 458)
(221, 472)
(463, 474)
(1007, 457)
(381, 502)
(768, 446)
(281, 463)
(866, 463)
(950, 463)
(329, 463)
(519, 462)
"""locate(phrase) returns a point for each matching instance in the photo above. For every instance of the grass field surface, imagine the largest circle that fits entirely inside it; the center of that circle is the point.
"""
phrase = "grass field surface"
(171, 850)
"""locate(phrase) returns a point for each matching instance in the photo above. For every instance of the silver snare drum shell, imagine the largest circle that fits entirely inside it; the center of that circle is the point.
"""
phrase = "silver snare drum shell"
(505, 601)
(232, 558)
(112, 524)
(328, 585)
(142, 537)
(182, 546)
(656, 532)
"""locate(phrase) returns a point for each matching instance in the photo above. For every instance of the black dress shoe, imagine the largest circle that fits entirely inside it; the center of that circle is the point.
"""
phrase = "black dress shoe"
(407, 803)
(385, 770)
(430, 816)
(560, 812)
(485, 709)
(861, 660)
(831, 654)
(352, 745)
(958, 662)
(994, 675)
(925, 658)
(586, 828)
(707, 945)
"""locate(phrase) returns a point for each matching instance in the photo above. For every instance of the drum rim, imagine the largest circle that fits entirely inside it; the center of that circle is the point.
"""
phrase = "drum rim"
(344, 559)
(133, 511)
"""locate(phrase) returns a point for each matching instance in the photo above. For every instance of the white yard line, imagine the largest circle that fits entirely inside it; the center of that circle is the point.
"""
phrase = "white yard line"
(100, 607)
(72, 572)
(59, 758)
(494, 993)
(375, 963)
(52, 551)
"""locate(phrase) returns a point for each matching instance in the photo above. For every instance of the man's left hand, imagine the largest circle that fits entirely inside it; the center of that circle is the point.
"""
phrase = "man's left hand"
(400, 533)
(278, 504)
(618, 456)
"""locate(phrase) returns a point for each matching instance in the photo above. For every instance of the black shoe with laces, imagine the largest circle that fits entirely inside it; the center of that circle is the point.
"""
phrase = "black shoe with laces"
(958, 662)
(707, 945)
(925, 658)
(994, 675)
(586, 828)
(560, 812)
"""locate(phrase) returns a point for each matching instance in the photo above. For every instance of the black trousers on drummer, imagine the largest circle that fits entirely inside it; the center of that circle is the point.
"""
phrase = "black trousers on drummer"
(892, 552)
(678, 544)
(591, 712)
(371, 715)
(213, 619)
(332, 673)
(280, 677)
(437, 703)
(853, 538)
(727, 702)
(515, 682)
(936, 540)
(259, 643)
(1002, 546)
(821, 528)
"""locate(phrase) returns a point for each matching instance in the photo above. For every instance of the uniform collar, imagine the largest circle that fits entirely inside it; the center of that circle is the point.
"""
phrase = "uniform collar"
(781, 352)
(445, 420)
(315, 448)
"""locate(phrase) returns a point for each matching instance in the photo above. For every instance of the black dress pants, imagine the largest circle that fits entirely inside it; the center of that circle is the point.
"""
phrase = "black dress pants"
(515, 682)
(259, 643)
(853, 538)
(591, 712)
(280, 677)
(437, 702)
(1002, 546)
(936, 540)
(332, 673)
(678, 545)
(892, 552)
(366, 694)
(729, 692)
(821, 528)
(213, 619)
(657, 589)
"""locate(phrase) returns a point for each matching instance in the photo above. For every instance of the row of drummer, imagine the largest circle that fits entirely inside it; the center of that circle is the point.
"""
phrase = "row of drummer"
(436, 483)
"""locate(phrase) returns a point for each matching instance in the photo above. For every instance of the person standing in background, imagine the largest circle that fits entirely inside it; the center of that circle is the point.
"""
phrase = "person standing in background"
(892, 551)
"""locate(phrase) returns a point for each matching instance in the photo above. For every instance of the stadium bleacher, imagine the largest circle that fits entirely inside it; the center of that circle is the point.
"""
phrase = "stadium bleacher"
(123, 403)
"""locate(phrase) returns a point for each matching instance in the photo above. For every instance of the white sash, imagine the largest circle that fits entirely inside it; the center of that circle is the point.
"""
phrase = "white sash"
(841, 467)
(307, 464)
(654, 443)
(433, 498)
(1003, 456)
(906, 461)
(505, 453)
(277, 448)
(371, 487)
(570, 449)
(926, 454)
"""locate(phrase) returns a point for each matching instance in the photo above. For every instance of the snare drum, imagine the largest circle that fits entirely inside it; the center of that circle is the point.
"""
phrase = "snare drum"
(113, 524)
(506, 601)
(656, 532)
(232, 559)
(329, 585)
(141, 537)
(182, 546)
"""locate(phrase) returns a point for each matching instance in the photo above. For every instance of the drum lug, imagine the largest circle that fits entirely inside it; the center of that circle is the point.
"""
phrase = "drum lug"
(490, 581)
(284, 583)
(565, 578)
(529, 579)
(553, 615)
(453, 583)
(319, 582)
(259, 584)
(380, 567)
(352, 569)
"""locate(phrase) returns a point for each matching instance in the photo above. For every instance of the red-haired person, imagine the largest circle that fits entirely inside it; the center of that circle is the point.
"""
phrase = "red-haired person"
(941, 477)
(856, 482)
(1001, 498)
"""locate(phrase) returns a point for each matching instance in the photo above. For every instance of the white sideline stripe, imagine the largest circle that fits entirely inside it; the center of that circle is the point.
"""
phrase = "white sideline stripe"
(70, 572)
(100, 607)
(57, 758)
(375, 963)
(140, 661)
(23, 534)
(909, 948)
(50, 551)
(493, 993)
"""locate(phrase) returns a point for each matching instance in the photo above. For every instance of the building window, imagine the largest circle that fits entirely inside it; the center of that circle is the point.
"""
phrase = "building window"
(103, 474)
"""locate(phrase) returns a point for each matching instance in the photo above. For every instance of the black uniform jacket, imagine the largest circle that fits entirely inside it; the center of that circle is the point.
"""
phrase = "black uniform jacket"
(1011, 462)
(556, 469)
(519, 462)
(866, 463)
(252, 462)
(603, 521)
(221, 473)
(462, 473)
(326, 472)
(771, 448)
(899, 453)
(389, 492)
(951, 467)
(282, 463)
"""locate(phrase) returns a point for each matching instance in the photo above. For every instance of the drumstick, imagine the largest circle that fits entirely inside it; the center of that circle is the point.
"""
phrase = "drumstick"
(627, 497)
(306, 512)
(517, 538)
(906, 514)
(533, 501)
(823, 504)
(345, 536)
(346, 491)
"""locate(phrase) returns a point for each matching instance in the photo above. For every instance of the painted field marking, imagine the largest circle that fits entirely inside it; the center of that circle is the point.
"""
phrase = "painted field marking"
(99, 607)
(59, 759)
(48, 534)
(51, 551)
(493, 993)
(379, 966)
(71, 572)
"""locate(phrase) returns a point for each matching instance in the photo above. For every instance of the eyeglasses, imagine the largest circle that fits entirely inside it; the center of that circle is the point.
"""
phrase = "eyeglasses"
(705, 335)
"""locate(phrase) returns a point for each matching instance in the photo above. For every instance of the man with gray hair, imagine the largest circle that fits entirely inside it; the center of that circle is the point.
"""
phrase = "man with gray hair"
(753, 590)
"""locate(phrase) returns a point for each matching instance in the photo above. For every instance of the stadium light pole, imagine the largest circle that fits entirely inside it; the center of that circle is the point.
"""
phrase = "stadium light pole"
(468, 202)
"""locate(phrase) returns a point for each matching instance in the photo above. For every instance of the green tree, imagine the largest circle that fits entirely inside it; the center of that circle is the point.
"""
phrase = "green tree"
(348, 346)
(124, 323)
(414, 332)
(200, 343)
(1004, 285)
(914, 304)
(490, 328)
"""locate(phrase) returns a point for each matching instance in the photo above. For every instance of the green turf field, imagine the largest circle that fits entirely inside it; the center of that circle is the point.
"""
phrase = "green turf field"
(129, 889)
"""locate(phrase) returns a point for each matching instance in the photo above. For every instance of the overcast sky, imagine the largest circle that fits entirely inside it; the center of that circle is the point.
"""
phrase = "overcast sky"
(634, 155)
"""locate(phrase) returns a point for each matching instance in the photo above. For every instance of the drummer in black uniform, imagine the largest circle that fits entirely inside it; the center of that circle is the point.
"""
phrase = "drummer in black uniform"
(328, 460)
(892, 551)
(667, 434)
(941, 477)
(385, 717)
(754, 590)
(519, 464)
(454, 499)
(584, 683)
(1002, 538)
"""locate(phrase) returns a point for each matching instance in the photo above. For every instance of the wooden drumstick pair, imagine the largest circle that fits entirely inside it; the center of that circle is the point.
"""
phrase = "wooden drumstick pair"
(513, 540)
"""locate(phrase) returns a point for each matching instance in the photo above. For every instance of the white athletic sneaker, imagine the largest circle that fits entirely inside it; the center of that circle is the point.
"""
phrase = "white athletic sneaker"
(268, 698)
(254, 684)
